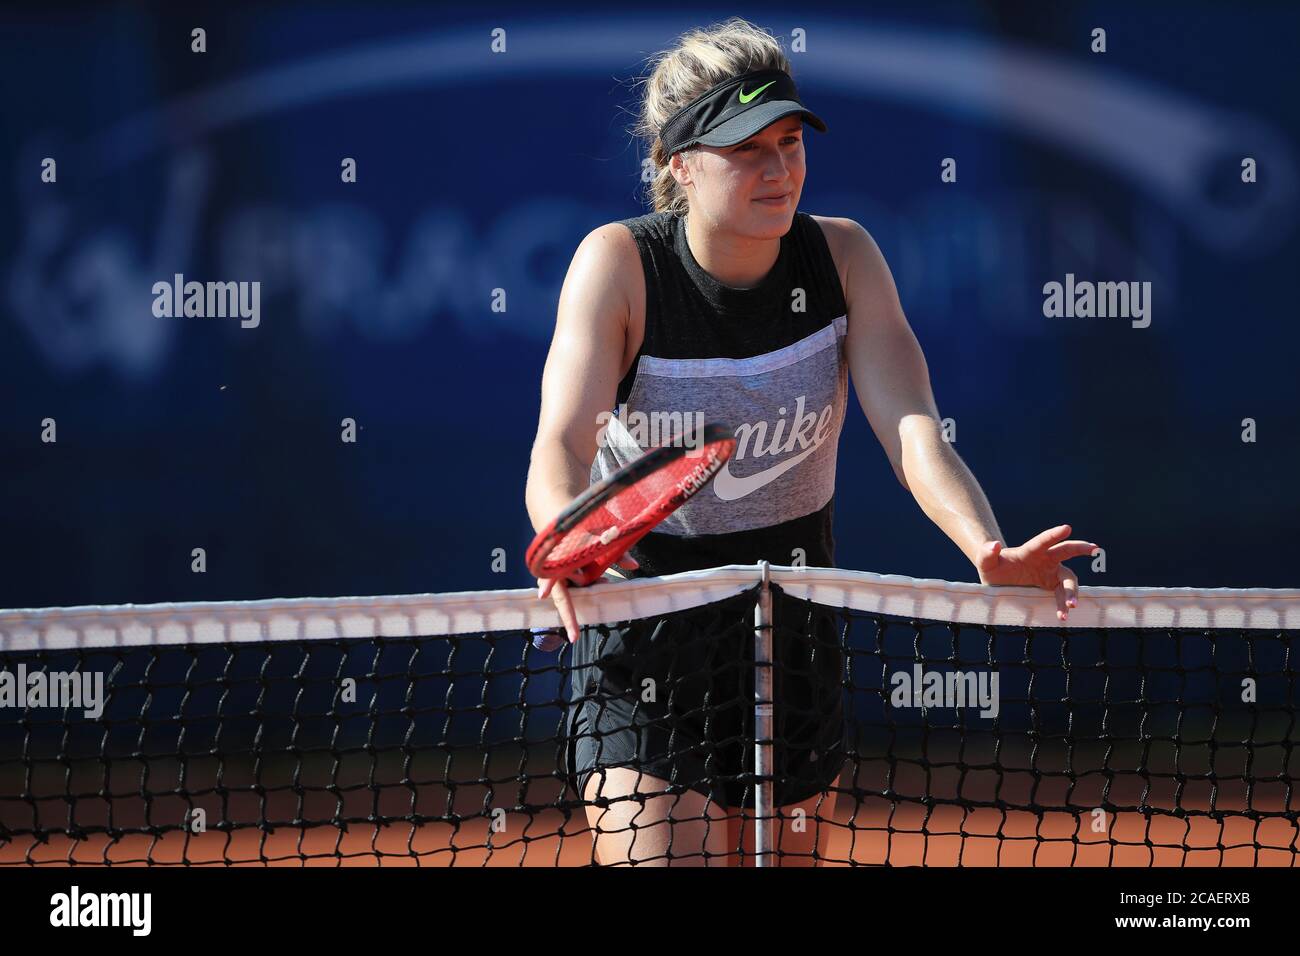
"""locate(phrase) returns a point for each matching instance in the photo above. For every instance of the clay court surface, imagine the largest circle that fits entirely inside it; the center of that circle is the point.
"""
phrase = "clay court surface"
(866, 831)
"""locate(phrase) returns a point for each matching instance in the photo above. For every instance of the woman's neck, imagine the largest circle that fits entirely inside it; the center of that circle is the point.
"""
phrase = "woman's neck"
(737, 262)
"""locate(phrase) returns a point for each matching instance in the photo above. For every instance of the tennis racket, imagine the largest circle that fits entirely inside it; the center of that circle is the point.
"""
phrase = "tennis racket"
(607, 519)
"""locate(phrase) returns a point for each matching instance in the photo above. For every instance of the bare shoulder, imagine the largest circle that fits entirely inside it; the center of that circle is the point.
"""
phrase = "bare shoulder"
(846, 237)
(836, 229)
(854, 251)
(612, 249)
(611, 280)
(616, 239)
(604, 265)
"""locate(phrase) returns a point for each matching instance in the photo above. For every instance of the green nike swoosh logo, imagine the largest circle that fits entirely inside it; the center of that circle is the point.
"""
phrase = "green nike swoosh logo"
(746, 97)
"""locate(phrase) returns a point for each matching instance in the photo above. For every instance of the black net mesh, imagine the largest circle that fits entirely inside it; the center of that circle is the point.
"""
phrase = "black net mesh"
(896, 741)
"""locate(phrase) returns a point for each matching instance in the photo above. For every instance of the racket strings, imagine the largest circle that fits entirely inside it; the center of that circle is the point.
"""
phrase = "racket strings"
(619, 518)
(622, 519)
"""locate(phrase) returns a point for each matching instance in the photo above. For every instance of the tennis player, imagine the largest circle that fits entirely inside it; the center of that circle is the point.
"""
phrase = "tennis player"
(729, 303)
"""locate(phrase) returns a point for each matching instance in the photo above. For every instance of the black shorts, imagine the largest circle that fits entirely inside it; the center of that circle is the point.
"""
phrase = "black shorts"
(673, 697)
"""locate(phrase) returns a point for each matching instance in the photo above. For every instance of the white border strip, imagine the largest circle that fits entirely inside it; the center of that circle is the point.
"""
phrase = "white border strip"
(1245, 608)
(476, 612)
(458, 612)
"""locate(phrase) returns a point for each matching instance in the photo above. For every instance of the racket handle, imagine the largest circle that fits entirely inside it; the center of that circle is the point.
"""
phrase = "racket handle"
(593, 572)
(589, 573)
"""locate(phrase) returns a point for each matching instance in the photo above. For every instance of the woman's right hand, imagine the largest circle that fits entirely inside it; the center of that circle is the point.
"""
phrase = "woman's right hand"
(558, 590)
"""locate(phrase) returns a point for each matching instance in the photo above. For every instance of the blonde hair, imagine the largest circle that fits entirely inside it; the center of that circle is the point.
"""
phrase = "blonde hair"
(701, 59)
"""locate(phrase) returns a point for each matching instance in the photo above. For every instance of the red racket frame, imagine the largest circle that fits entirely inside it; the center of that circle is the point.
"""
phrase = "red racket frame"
(712, 447)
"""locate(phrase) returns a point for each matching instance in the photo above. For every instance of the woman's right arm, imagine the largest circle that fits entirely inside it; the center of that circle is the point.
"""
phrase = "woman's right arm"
(580, 380)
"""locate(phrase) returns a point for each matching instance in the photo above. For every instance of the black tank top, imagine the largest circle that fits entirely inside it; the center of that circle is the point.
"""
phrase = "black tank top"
(767, 362)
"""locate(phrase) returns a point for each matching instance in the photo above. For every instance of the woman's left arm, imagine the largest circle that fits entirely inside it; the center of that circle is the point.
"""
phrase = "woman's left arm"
(892, 381)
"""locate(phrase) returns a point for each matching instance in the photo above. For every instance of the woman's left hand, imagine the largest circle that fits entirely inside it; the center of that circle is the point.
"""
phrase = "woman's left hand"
(1037, 563)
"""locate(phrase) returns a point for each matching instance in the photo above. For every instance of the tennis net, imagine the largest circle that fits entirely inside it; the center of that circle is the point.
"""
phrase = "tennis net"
(939, 723)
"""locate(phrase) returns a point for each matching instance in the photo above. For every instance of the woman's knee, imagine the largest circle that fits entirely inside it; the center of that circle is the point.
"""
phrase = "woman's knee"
(637, 820)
